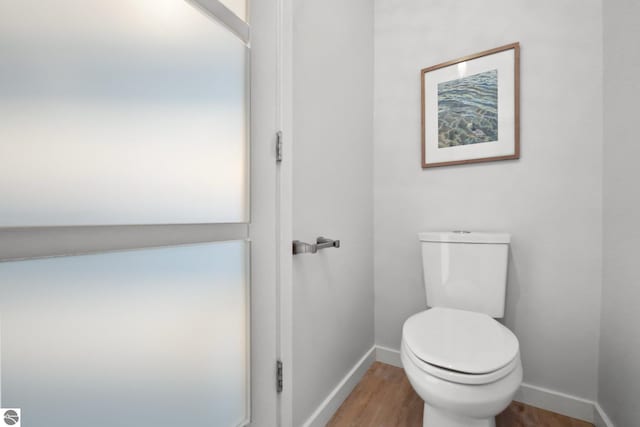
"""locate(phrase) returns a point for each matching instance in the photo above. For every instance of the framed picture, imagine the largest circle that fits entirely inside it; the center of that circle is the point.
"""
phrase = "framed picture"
(470, 108)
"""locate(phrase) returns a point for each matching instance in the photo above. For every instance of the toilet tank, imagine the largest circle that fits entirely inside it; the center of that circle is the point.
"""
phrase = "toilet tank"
(466, 270)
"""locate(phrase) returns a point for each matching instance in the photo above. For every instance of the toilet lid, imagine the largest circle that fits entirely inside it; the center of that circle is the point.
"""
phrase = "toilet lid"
(460, 340)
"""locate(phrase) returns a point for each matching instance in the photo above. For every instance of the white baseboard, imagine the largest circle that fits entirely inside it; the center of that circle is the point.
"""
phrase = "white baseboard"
(561, 403)
(330, 405)
(600, 418)
(555, 401)
(389, 356)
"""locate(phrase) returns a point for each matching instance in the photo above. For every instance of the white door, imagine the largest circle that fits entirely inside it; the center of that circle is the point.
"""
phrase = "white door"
(138, 242)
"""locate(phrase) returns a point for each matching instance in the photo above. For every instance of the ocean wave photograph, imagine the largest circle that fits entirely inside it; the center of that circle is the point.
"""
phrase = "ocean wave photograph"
(468, 110)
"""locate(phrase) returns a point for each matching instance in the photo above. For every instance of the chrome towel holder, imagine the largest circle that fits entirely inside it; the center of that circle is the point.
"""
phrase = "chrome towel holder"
(299, 247)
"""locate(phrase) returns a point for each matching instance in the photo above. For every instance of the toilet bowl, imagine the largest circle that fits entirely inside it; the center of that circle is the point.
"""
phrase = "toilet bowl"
(464, 365)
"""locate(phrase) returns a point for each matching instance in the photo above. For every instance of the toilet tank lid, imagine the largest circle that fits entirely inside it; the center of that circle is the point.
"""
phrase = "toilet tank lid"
(463, 236)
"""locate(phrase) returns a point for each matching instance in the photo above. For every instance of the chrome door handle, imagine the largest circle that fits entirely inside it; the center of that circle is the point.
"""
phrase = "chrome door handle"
(299, 247)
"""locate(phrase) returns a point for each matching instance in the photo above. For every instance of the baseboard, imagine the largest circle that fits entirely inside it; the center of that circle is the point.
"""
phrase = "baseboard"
(600, 418)
(330, 405)
(561, 403)
(555, 401)
(389, 356)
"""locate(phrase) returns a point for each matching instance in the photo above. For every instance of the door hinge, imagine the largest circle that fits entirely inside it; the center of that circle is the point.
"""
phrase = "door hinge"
(279, 376)
(279, 146)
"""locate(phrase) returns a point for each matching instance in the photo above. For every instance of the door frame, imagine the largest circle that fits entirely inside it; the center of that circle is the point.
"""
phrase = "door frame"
(271, 48)
(285, 209)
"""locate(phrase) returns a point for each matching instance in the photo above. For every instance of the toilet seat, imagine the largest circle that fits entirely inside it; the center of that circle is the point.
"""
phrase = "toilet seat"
(460, 345)
(459, 377)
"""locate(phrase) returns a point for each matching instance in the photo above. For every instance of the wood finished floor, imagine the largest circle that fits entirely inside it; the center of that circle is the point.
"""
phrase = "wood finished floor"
(384, 398)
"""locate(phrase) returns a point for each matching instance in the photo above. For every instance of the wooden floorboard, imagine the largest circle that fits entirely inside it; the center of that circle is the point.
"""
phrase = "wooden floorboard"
(384, 398)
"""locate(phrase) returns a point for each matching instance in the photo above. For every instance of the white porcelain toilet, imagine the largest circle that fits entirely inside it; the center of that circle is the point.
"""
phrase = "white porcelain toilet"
(458, 358)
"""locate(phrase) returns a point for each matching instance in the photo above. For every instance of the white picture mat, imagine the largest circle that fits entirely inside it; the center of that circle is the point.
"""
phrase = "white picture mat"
(504, 63)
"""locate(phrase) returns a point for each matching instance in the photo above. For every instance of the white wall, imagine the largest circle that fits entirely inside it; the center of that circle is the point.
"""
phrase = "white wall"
(619, 388)
(550, 199)
(332, 194)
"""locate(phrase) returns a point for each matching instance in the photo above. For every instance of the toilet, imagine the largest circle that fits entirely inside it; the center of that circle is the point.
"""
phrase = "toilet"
(462, 362)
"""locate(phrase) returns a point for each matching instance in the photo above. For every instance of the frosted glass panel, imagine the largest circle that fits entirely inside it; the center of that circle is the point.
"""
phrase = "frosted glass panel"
(120, 112)
(142, 338)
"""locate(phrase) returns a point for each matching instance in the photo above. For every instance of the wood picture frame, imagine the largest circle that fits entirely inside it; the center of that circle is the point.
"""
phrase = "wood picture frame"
(471, 108)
